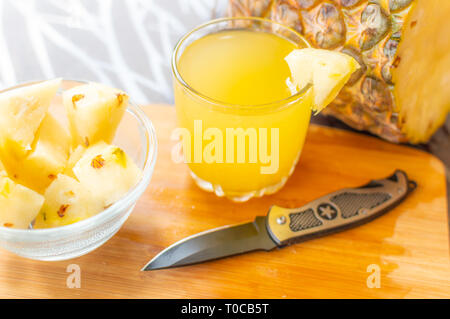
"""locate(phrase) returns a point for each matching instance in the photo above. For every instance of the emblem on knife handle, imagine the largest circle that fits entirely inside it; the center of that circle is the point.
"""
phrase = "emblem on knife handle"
(341, 210)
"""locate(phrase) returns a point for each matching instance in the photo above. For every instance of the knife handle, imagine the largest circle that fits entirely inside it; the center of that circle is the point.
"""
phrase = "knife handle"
(338, 211)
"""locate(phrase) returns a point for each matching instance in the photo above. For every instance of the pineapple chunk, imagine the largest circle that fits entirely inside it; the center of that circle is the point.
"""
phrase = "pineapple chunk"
(47, 158)
(66, 202)
(327, 71)
(2, 170)
(18, 204)
(107, 171)
(21, 113)
(74, 157)
(403, 48)
(94, 112)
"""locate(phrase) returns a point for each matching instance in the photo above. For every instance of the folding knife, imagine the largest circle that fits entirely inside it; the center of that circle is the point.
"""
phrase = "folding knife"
(341, 210)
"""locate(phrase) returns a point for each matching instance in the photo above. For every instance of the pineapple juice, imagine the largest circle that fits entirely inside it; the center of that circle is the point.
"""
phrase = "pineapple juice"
(233, 80)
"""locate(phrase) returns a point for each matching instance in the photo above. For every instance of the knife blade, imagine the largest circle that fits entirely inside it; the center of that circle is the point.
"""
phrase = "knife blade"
(337, 211)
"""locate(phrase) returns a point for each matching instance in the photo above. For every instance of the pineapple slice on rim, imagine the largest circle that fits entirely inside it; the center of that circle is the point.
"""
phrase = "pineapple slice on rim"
(402, 46)
(327, 71)
(21, 112)
(19, 204)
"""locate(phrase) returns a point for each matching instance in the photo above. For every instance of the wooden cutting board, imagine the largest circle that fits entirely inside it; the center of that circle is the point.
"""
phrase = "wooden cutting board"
(410, 244)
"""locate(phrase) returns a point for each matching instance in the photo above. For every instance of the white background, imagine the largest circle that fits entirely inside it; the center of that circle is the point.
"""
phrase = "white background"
(123, 43)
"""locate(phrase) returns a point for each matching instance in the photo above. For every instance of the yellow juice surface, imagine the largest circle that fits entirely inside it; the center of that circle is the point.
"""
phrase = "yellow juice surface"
(238, 67)
(244, 77)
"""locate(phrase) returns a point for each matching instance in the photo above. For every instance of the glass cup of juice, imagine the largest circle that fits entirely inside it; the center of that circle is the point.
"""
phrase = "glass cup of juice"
(241, 122)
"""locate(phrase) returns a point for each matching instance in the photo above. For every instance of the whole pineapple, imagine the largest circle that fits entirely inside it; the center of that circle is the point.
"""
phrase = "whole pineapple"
(402, 91)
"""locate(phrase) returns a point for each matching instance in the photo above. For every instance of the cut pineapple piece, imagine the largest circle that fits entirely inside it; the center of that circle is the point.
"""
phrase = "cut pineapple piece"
(402, 46)
(47, 158)
(422, 71)
(66, 202)
(2, 170)
(327, 71)
(21, 113)
(94, 112)
(107, 171)
(19, 205)
(77, 153)
(74, 157)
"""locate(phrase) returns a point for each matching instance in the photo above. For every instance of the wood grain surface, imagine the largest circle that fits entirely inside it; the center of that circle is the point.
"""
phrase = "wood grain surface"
(410, 244)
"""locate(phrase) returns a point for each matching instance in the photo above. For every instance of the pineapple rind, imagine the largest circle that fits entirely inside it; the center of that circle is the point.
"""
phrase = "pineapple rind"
(371, 102)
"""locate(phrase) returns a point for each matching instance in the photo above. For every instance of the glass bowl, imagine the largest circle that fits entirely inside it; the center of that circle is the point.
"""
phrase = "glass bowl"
(137, 137)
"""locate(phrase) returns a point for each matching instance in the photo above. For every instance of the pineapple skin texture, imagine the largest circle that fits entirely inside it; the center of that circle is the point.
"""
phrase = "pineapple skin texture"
(66, 202)
(383, 36)
(19, 205)
(94, 112)
(107, 172)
